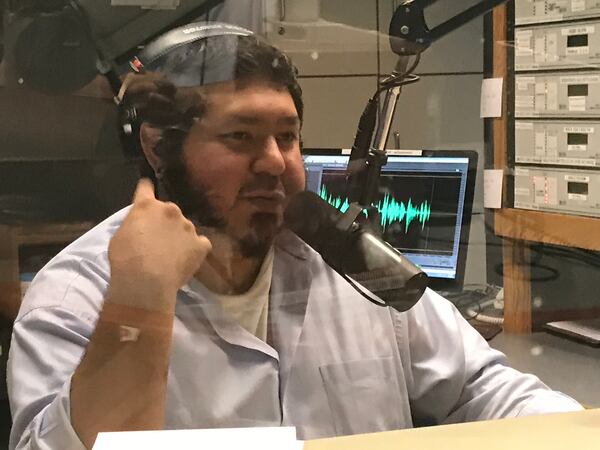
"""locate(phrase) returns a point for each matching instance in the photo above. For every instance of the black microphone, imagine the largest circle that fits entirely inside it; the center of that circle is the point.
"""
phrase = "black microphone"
(370, 264)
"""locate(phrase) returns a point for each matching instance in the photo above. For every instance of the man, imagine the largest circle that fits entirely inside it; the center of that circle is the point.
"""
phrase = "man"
(205, 313)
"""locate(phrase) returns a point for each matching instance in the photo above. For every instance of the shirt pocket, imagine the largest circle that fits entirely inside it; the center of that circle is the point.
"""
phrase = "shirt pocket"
(363, 396)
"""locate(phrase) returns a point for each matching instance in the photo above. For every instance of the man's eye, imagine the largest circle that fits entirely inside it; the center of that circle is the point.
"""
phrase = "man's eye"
(287, 137)
(238, 136)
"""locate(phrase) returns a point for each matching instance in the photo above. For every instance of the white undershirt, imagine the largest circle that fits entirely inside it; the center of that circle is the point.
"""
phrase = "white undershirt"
(251, 308)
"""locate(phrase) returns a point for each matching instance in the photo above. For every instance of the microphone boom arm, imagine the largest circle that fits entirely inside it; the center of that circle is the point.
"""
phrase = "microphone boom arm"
(409, 36)
(409, 33)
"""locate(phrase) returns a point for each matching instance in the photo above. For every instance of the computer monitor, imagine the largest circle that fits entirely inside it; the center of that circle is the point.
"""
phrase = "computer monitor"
(425, 201)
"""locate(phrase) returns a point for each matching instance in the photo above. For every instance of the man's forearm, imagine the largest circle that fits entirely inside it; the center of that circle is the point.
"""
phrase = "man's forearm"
(121, 382)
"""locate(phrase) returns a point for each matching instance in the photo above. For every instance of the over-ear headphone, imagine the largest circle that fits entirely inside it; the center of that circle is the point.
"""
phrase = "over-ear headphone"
(169, 51)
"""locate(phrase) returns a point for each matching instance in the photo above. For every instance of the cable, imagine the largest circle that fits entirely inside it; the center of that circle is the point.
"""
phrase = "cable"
(478, 315)
(470, 303)
(400, 79)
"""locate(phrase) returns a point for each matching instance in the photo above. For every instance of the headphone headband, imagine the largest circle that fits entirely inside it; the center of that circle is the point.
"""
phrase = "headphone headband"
(182, 36)
(183, 63)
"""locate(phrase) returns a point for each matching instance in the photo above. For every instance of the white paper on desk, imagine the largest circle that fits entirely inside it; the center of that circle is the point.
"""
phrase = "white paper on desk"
(492, 188)
(491, 97)
(259, 438)
(147, 4)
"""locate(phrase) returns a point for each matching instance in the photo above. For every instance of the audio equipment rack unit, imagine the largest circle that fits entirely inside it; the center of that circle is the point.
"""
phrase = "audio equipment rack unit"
(519, 227)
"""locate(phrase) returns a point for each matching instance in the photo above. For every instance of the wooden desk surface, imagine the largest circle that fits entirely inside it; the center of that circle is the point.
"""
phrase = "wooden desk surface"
(564, 365)
(577, 431)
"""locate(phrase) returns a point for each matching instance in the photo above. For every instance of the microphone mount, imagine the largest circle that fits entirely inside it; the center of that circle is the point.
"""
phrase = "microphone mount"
(409, 33)
(409, 36)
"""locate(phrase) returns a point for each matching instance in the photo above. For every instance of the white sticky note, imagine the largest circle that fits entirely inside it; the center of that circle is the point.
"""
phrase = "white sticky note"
(492, 188)
(258, 438)
(491, 97)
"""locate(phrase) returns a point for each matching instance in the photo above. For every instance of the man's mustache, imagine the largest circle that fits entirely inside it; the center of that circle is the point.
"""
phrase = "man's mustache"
(263, 184)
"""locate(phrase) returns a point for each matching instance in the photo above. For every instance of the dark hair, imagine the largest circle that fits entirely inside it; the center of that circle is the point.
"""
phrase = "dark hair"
(257, 59)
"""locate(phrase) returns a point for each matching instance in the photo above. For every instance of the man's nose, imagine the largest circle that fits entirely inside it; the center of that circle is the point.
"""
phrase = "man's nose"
(270, 159)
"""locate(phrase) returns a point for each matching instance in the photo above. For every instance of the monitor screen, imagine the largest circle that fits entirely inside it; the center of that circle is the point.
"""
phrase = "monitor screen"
(424, 205)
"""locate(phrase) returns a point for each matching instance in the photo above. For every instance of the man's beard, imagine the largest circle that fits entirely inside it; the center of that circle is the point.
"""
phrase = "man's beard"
(195, 205)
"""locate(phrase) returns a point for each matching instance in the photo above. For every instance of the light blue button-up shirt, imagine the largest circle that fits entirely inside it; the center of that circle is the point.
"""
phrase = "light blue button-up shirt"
(334, 363)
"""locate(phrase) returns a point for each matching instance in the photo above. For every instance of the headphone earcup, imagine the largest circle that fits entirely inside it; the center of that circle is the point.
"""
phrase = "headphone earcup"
(129, 134)
(129, 130)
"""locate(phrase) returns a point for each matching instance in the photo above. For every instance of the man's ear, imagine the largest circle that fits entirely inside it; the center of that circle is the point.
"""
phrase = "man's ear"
(149, 137)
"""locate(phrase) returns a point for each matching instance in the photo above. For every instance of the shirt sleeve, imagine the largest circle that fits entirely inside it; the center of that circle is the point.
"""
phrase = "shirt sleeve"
(46, 348)
(455, 376)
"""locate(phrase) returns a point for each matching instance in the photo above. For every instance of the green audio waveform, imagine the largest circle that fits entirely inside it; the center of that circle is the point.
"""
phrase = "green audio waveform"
(390, 210)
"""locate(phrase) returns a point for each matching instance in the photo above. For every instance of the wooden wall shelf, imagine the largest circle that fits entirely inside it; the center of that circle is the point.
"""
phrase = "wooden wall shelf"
(549, 228)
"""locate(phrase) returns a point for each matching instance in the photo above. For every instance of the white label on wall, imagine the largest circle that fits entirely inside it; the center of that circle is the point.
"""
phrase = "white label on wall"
(577, 103)
(577, 5)
(492, 188)
(491, 97)
(582, 130)
(520, 192)
(571, 31)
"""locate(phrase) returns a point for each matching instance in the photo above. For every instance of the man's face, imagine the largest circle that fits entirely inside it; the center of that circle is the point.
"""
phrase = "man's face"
(243, 161)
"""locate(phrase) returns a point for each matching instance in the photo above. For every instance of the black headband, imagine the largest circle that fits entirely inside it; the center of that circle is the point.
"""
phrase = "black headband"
(181, 55)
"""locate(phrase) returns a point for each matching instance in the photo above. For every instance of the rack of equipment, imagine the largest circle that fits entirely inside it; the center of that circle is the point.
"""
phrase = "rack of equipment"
(557, 106)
